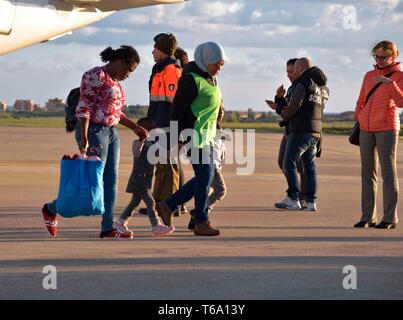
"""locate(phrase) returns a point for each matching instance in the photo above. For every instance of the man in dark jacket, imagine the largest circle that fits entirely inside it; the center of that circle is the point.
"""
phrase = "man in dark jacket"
(304, 114)
(281, 100)
(163, 85)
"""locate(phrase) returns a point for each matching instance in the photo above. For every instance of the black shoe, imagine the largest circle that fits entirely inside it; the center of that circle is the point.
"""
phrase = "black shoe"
(363, 224)
(386, 225)
(181, 210)
(192, 224)
(143, 211)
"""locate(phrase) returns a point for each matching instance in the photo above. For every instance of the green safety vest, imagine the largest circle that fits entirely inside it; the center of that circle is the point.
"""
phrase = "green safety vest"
(205, 108)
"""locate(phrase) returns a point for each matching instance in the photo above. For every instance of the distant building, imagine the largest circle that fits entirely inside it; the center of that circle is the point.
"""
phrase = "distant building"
(24, 105)
(251, 114)
(55, 105)
(3, 106)
(37, 107)
(243, 116)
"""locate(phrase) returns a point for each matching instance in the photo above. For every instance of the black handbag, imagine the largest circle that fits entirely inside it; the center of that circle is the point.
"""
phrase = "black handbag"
(354, 137)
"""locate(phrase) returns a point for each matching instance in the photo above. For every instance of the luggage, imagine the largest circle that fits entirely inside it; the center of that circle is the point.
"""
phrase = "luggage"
(81, 191)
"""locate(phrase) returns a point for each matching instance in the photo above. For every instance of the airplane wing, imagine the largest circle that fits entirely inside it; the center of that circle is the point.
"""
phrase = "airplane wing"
(112, 5)
(26, 22)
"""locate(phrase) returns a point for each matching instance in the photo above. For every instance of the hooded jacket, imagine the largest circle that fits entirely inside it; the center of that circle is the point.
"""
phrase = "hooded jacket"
(305, 111)
(381, 113)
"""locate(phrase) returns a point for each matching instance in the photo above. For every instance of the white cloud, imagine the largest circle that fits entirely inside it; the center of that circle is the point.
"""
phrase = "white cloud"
(331, 17)
(138, 19)
(283, 30)
(256, 15)
(116, 30)
(89, 31)
(220, 9)
(258, 36)
(384, 4)
(397, 17)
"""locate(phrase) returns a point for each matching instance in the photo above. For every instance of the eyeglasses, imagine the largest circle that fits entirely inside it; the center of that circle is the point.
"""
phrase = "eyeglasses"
(376, 57)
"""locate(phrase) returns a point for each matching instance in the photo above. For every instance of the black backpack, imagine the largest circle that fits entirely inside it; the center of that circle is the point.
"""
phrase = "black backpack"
(70, 109)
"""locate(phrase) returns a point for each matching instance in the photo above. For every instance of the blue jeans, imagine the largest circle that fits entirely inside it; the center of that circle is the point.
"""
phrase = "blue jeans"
(198, 186)
(300, 146)
(103, 142)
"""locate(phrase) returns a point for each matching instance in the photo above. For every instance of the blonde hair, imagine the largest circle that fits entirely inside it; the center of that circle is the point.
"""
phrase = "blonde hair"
(387, 46)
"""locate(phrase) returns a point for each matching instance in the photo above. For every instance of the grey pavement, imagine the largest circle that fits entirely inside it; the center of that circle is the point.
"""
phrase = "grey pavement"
(263, 253)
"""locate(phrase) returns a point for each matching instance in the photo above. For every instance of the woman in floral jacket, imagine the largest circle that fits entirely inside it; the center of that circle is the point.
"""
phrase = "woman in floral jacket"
(99, 111)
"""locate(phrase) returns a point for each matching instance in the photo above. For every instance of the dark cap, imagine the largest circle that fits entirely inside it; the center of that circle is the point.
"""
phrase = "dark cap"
(166, 42)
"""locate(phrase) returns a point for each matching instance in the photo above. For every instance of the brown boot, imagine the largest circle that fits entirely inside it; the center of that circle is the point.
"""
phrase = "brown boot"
(205, 229)
(164, 212)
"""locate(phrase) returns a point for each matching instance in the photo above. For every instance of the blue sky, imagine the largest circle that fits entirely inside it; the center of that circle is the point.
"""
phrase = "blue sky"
(259, 36)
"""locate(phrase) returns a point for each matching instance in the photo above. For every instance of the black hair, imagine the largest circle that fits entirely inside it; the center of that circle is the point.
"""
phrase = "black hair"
(181, 54)
(291, 62)
(127, 53)
(158, 36)
(147, 123)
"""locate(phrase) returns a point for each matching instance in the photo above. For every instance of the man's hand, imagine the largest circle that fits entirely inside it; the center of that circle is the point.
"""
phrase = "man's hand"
(280, 92)
(271, 104)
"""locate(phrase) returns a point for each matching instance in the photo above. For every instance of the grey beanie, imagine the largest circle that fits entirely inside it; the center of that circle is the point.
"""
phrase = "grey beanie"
(208, 53)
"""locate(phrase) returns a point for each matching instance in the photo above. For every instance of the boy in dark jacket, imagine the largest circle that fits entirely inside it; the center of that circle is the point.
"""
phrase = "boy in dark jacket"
(140, 186)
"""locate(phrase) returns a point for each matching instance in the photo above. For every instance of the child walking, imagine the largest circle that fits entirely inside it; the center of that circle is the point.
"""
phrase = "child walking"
(217, 186)
(140, 186)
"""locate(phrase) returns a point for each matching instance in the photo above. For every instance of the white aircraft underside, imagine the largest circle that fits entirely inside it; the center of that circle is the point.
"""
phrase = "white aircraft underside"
(26, 22)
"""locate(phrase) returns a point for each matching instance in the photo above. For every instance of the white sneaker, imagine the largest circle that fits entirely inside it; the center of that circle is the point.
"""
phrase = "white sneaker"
(288, 204)
(162, 230)
(121, 226)
(308, 205)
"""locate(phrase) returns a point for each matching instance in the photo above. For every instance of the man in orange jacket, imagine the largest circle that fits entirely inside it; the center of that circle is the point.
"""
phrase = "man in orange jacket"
(163, 85)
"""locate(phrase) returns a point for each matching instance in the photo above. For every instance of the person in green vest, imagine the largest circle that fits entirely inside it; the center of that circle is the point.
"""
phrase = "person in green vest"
(196, 106)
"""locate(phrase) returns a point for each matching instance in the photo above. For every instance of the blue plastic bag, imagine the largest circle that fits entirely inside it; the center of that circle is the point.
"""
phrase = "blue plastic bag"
(81, 191)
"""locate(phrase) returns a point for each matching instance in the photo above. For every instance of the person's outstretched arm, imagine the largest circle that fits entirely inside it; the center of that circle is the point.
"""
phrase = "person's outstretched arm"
(139, 131)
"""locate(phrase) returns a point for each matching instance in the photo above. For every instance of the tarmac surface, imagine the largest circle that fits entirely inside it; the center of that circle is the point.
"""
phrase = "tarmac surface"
(263, 252)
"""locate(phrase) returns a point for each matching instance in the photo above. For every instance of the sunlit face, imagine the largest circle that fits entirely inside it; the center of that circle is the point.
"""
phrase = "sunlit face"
(290, 72)
(214, 68)
(158, 55)
(125, 69)
(383, 59)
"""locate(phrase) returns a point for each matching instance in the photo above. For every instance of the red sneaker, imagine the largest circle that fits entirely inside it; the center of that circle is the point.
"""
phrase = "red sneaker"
(50, 221)
(115, 234)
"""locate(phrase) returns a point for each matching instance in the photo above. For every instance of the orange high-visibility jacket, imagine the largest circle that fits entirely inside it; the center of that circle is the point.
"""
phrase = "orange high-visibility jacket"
(163, 86)
(381, 113)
